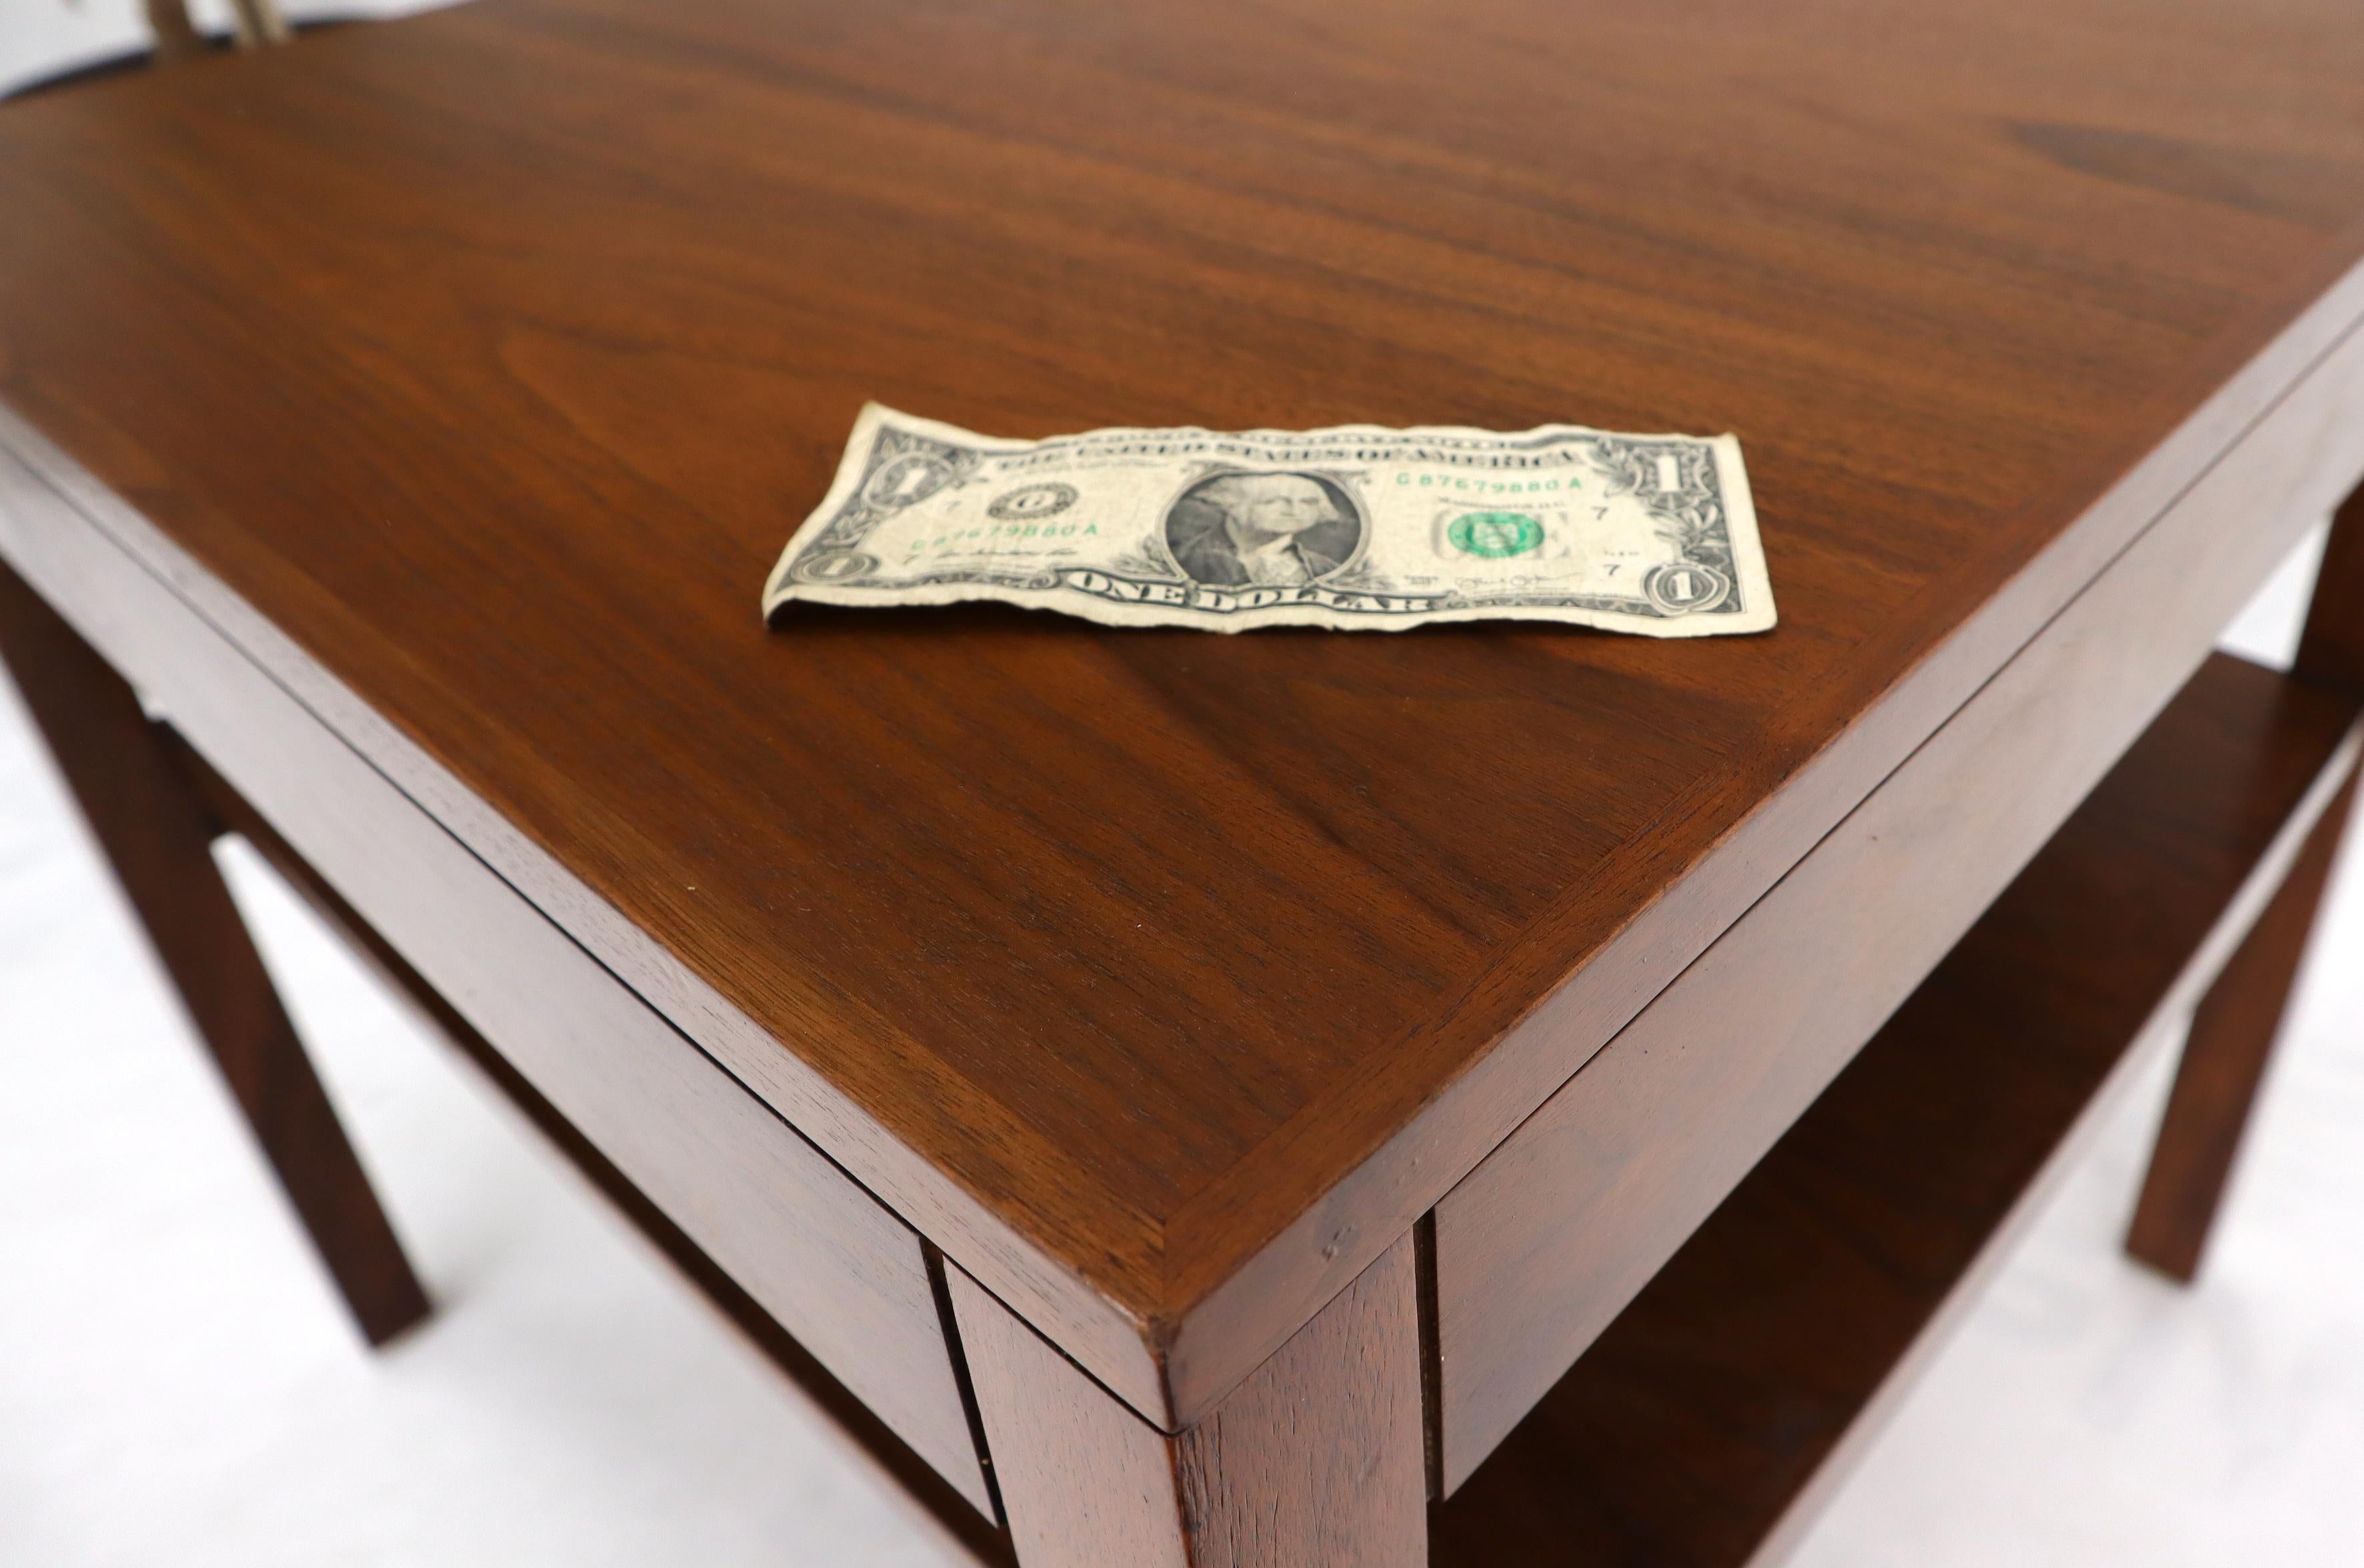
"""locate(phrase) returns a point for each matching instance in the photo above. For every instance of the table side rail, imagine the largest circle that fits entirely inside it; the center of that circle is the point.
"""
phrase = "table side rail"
(936, 1505)
(1548, 1239)
(840, 1272)
(1729, 1400)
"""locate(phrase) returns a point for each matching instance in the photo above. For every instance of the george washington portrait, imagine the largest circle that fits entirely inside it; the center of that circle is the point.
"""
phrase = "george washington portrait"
(1242, 530)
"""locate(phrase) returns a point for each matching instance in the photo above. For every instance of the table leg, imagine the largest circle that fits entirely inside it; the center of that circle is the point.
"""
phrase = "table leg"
(176, 37)
(2234, 1027)
(258, 23)
(2225, 1059)
(1316, 1459)
(2332, 647)
(158, 835)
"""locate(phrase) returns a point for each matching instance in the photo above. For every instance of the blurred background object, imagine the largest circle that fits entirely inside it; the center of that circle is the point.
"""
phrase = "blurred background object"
(258, 22)
(176, 37)
(43, 41)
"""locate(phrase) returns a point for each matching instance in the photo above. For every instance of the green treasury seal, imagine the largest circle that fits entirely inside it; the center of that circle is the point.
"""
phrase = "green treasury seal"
(1495, 534)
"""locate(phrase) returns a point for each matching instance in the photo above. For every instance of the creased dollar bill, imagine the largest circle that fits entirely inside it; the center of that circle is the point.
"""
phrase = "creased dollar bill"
(1355, 527)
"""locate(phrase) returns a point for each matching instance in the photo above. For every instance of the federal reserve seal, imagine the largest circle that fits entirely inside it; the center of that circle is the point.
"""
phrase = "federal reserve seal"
(1029, 502)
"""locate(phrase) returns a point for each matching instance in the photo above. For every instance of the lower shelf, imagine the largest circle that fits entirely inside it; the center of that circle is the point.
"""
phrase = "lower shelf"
(1708, 1419)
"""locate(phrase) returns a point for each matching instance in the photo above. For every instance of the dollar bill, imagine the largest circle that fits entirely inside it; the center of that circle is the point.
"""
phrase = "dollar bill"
(1355, 527)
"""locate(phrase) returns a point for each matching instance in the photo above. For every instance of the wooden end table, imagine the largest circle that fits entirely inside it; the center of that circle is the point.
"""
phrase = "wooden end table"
(1482, 1095)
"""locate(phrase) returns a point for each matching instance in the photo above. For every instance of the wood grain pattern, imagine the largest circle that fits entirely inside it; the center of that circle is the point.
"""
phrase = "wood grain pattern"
(1164, 980)
(158, 839)
(1316, 1459)
(844, 1275)
(1642, 1145)
(1718, 1412)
